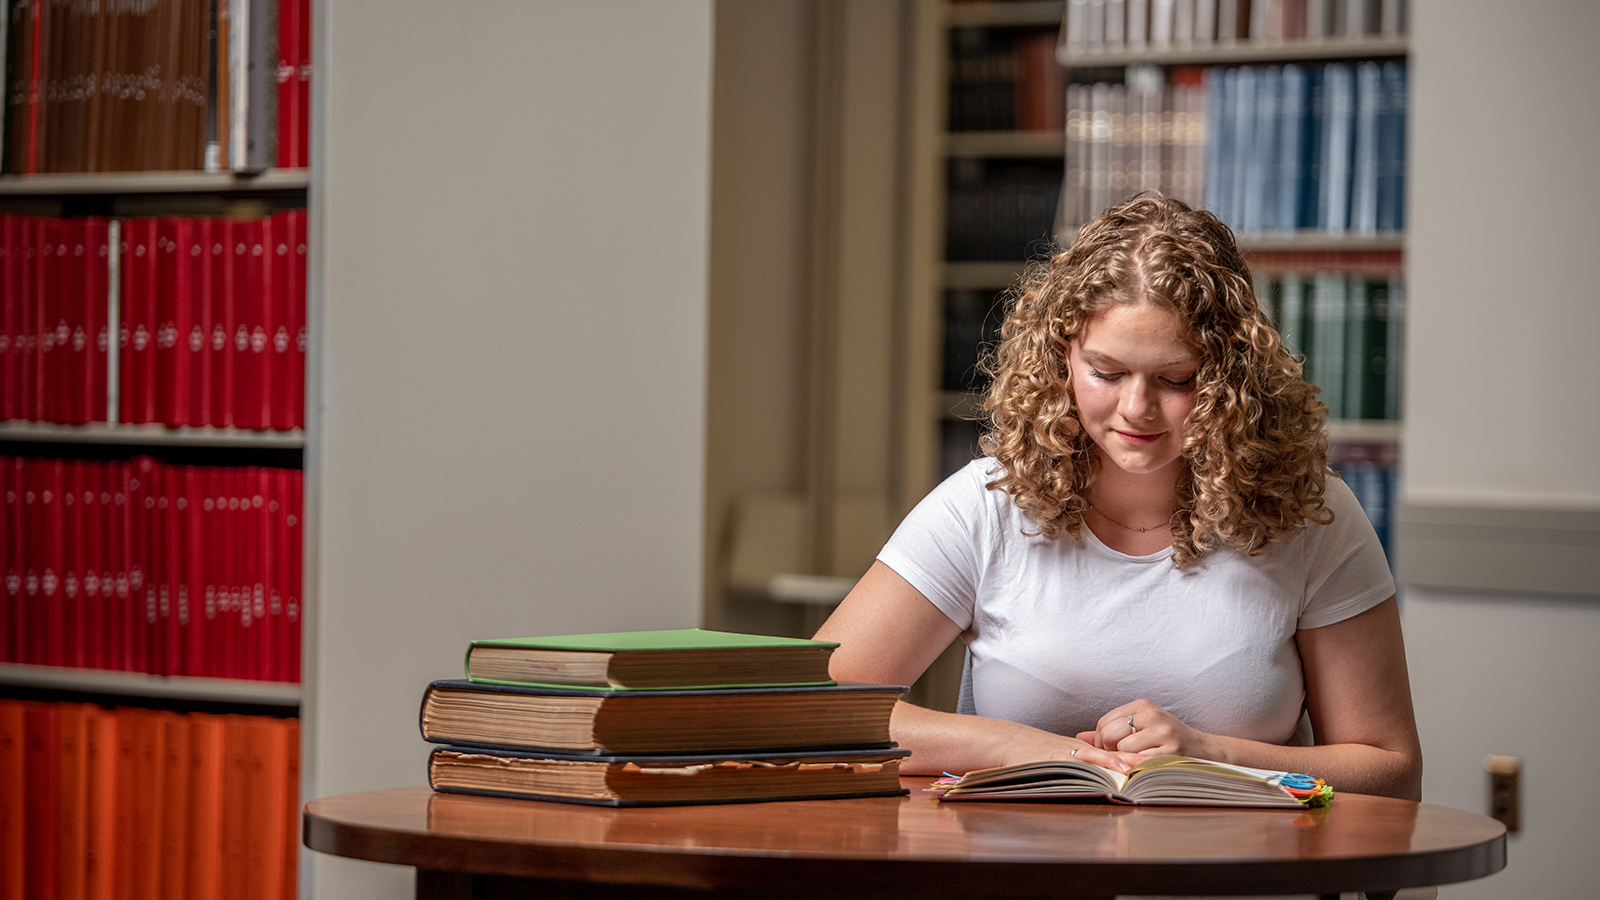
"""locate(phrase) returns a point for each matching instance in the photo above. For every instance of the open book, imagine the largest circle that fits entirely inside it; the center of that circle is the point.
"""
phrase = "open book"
(1158, 781)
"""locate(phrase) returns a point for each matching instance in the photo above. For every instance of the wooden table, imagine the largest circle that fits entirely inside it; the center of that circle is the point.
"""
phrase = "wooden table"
(489, 848)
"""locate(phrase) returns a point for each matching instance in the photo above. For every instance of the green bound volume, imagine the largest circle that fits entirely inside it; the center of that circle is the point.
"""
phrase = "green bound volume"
(684, 658)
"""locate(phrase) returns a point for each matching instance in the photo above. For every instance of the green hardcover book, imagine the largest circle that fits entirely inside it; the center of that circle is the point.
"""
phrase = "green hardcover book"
(1374, 384)
(1365, 347)
(1327, 327)
(675, 659)
(1394, 361)
(1291, 315)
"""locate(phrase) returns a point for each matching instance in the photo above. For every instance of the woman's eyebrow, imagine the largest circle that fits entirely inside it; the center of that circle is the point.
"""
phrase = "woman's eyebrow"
(1099, 359)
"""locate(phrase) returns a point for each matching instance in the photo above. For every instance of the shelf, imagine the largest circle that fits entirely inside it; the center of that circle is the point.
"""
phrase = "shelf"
(1268, 242)
(962, 406)
(1002, 14)
(150, 436)
(1051, 144)
(1363, 431)
(1238, 52)
(1306, 241)
(154, 182)
(139, 684)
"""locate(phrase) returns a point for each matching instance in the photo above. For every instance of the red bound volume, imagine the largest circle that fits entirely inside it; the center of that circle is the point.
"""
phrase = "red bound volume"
(177, 590)
(225, 319)
(288, 634)
(40, 410)
(145, 758)
(250, 336)
(30, 621)
(198, 339)
(50, 283)
(11, 546)
(119, 553)
(296, 386)
(139, 288)
(268, 602)
(228, 583)
(165, 329)
(96, 610)
(288, 85)
(295, 584)
(207, 758)
(253, 587)
(141, 594)
(41, 798)
(211, 597)
(97, 307)
(221, 306)
(52, 480)
(267, 758)
(13, 801)
(236, 823)
(282, 322)
(304, 84)
(81, 263)
(74, 722)
(175, 858)
(183, 272)
(101, 853)
(73, 614)
(10, 335)
(22, 256)
(197, 634)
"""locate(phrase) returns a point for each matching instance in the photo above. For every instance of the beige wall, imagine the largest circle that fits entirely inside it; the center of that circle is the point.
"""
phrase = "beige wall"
(510, 217)
(1501, 409)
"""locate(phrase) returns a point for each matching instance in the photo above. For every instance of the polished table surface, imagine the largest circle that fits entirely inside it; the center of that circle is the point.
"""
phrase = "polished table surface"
(468, 846)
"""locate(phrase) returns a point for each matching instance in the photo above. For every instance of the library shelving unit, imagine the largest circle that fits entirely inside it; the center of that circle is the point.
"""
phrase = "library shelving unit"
(251, 712)
(963, 285)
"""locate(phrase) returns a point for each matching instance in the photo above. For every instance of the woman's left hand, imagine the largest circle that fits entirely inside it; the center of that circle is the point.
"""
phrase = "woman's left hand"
(1146, 729)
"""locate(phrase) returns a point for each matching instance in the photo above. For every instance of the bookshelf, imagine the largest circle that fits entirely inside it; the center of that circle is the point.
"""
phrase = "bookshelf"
(190, 698)
(966, 281)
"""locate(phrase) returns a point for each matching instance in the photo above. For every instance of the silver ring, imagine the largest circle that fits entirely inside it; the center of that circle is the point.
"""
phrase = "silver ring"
(1074, 751)
(1132, 727)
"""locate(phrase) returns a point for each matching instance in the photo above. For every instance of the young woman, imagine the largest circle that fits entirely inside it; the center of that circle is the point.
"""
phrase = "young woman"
(1152, 556)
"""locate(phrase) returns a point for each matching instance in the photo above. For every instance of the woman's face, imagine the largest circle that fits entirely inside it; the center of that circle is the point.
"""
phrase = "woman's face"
(1134, 385)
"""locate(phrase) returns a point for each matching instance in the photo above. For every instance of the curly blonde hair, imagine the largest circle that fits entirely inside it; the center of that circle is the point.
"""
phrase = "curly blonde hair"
(1256, 444)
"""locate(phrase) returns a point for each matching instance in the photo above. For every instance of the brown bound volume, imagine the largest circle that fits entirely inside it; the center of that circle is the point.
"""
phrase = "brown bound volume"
(730, 720)
(668, 780)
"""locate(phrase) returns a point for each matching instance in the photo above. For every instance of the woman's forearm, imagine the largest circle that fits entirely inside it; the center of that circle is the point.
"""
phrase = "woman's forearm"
(1357, 768)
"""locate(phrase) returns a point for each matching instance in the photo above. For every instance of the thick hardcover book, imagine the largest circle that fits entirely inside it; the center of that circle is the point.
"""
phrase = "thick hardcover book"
(1158, 781)
(13, 802)
(674, 658)
(729, 720)
(620, 780)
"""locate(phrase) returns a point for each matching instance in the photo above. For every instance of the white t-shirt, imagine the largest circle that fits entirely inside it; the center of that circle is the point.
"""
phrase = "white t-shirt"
(1061, 631)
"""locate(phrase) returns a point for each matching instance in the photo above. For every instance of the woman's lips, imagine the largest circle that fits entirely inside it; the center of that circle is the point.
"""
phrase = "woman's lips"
(1135, 437)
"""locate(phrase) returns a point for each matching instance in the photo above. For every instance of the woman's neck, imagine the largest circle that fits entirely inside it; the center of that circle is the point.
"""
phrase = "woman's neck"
(1137, 501)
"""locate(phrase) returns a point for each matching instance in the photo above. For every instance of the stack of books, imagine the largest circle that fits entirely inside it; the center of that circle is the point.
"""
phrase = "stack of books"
(654, 718)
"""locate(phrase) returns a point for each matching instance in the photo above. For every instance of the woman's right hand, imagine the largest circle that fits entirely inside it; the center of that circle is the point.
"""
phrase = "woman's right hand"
(1031, 745)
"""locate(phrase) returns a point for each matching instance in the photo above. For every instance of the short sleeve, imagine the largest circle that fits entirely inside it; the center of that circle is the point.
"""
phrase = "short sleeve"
(1346, 570)
(938, 547)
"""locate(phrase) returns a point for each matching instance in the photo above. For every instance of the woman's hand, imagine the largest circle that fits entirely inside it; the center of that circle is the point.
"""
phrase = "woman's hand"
(1026, 744)
(1145, 730)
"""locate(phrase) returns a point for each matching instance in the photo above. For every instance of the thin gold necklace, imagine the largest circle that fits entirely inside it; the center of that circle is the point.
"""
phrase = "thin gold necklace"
(1167, 524)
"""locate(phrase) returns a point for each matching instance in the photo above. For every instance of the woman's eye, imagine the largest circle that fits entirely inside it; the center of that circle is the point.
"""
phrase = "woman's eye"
(1100, 375)
(1187, 382)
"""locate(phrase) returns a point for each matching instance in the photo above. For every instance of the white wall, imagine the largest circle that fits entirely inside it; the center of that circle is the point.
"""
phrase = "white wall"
(1502, 408)
(511, 214)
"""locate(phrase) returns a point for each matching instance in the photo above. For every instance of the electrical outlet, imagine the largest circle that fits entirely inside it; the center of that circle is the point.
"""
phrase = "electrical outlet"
(1505, 789)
